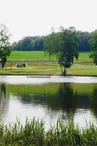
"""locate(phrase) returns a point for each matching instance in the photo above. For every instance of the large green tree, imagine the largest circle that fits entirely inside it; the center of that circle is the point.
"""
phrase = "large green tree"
(93, 43)
(64, 45)
(5, 46)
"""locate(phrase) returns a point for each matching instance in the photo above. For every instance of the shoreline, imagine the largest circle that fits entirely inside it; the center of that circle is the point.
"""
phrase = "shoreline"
(19, 79)
(46, 75)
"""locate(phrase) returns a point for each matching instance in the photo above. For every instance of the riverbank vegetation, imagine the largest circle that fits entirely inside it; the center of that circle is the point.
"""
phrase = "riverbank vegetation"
(80, 68)
(33, 133)
(76, 70)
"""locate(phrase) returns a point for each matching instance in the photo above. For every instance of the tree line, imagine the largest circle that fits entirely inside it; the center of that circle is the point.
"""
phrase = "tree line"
(36, 43)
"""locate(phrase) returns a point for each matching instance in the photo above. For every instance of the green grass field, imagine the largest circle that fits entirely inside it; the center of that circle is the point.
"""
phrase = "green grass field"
(39, 55)
(28, 55)
(84, 55)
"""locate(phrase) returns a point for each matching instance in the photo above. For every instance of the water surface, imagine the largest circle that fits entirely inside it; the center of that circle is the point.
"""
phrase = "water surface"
(51, 99)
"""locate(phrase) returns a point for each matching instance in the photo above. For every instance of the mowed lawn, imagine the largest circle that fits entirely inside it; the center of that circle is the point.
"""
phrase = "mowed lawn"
(40, 55)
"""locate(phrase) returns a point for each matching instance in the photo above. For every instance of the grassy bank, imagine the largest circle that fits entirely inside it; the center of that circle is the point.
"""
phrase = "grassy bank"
(33, 69)
(50, 69)
(34, 134)
(82, 70)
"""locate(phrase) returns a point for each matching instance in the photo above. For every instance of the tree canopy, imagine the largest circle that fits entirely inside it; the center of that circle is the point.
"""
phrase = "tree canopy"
(83, 44)
(5, 47)
(93, 43)
(64, 45)
(35, 43)
(29, 44)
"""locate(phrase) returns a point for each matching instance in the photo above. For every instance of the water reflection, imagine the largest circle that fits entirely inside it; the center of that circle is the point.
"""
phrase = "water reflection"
(3, 100)
(54, 101)
(33, 98)
(93, 101)
(64, 99)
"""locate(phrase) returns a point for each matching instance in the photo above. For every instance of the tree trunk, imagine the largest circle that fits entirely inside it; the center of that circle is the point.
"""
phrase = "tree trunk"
(3, 61)
(64, 71)
(61, 68)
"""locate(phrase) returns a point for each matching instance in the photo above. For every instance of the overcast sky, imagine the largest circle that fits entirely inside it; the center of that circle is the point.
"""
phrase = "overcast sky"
(37, 17)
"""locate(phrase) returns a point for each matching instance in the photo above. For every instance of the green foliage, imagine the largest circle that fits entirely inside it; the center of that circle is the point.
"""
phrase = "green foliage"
(83, 38)
(29, 44)
(35, 43)
(64, 45)
(33, 134)
(5, 47)
(93, 43)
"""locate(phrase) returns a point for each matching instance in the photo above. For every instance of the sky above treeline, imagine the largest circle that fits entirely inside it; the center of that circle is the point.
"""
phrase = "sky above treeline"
(37, 17)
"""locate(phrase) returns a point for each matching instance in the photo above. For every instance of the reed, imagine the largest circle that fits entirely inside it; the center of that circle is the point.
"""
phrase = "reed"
(33, 133)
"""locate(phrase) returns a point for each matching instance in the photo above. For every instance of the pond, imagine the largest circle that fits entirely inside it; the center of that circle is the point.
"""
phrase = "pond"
(48, 98)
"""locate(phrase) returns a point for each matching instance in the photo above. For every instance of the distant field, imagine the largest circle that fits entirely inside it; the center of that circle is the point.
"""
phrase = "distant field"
(84, 55)
(28, 55)
(39, 55)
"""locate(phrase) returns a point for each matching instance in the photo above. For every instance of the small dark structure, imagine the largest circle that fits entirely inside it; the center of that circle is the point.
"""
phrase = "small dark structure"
(21, 64)
(18, 65)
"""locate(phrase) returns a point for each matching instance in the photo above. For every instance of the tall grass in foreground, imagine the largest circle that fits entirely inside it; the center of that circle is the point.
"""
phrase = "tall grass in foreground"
(34, 134)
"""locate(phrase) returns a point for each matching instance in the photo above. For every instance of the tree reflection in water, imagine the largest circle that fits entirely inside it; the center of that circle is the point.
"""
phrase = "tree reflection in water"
(93, 102)
(63, 100)
(3, 100)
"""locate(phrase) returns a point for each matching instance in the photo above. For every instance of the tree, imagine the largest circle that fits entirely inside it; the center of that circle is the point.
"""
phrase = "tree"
(34, 43)
(64, 45)
(93, 43)
(5, 47)
(83, 44)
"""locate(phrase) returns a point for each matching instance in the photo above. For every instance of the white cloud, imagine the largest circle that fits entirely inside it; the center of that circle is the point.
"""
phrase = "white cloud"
(37, 17)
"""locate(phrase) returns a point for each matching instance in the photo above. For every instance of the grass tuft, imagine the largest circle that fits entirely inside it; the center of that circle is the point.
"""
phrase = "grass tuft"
(33, 134)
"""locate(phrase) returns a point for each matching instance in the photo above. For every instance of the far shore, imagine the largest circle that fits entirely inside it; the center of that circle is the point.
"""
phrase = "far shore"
(49, 68)
(36, 71)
